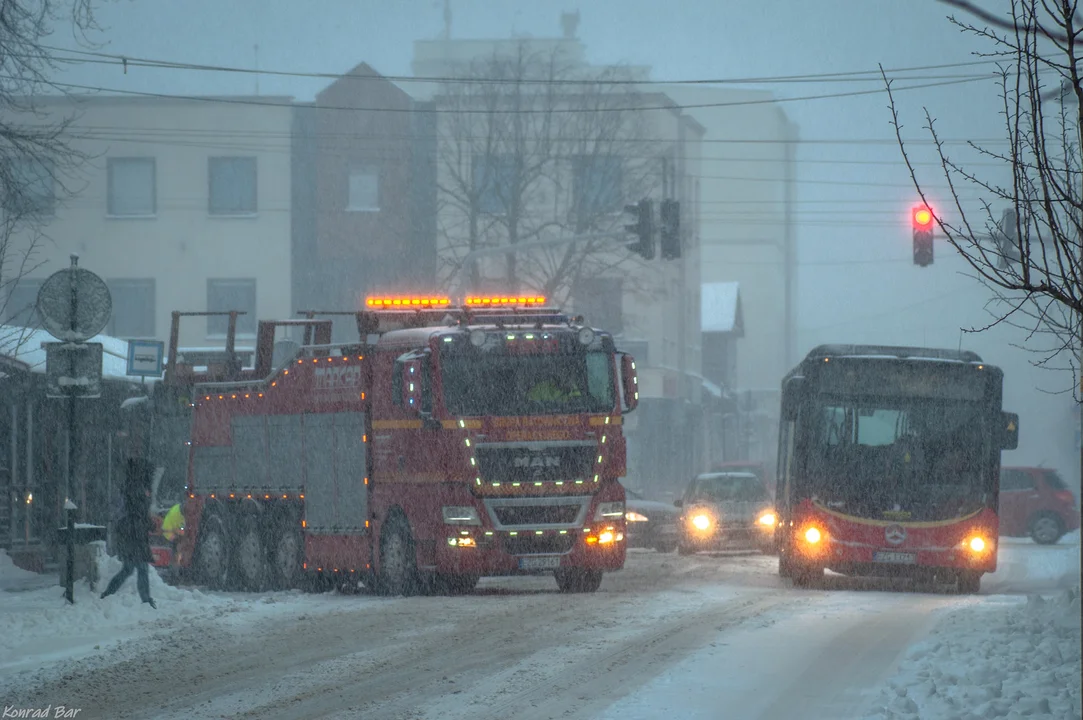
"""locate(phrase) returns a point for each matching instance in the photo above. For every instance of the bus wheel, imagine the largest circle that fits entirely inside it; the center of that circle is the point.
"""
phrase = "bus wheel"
(457, 584)
(212, 558)
(251, 556)
(398, 560)
(1046, 529)
(288, 558)
(579, 581)
(807, 577)
(969, 583)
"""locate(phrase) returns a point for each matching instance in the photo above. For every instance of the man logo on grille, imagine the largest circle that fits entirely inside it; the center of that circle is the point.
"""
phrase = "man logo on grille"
(895, 534)
(537, 461)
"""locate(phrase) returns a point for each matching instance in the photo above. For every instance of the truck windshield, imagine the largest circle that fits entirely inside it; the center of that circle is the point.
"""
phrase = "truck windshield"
(925, 457)
(496, 384)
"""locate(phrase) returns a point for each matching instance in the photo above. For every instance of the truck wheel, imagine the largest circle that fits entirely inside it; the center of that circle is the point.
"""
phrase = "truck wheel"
(289, 555)
(969, 583)
(253, 570)
(213, 557)
(1046, 529)
(398, 560)
(457, 584)
(579, 581)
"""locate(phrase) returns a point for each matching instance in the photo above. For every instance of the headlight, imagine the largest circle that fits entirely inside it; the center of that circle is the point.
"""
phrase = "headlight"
(813, 536)
(609, 510)
(977, 544)
(461, 515)
(768, 519)
(701, 522)
(633, 516)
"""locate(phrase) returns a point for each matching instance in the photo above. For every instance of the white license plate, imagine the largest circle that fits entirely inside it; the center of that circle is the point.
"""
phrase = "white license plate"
(544, 562)
(898, 558)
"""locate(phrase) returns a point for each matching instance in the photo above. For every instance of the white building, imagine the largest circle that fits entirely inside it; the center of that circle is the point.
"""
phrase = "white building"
(180, 204)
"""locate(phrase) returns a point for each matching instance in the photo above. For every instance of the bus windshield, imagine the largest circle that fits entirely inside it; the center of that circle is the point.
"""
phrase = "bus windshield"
(505, 385)
(926, 457)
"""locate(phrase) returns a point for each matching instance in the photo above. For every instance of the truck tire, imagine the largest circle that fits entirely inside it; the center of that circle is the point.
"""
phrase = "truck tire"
(398, 560)
(250, 556)
(578, 581)
(288, 561)
(969, 583)
(213, 559)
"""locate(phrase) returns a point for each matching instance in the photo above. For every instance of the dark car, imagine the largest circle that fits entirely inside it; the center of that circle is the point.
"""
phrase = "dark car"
(727, 510)
(649, 524)
(1035, 501)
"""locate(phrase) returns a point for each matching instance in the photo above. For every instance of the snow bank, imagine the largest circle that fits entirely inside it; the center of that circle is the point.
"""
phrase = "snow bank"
(1000, 659)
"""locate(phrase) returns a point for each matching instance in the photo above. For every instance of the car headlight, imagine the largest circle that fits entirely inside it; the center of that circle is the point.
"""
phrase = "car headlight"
(461, 515)
(701, 521)
(768, 519)
(609, 510)
(633, 516)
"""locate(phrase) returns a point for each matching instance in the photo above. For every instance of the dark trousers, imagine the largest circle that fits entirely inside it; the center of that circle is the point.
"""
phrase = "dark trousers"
(142, 581)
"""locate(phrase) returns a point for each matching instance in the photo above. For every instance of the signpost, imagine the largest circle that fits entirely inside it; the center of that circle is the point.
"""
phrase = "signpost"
(146, 358)
(74, 305)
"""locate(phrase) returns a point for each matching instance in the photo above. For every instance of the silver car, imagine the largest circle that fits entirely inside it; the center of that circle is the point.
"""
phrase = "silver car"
(727, 511)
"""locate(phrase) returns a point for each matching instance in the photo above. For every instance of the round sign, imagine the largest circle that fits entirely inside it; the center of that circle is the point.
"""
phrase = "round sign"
(78, 290)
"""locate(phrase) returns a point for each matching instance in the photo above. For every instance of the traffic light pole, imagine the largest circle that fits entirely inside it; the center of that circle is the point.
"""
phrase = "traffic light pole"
(471, 258)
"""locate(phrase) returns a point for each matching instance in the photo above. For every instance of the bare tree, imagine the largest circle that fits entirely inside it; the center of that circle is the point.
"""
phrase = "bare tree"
(531, 147)
(1024, 239)
(37, 159)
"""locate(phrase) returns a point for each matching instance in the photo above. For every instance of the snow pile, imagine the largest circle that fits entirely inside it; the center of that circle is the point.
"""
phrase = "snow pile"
(1000, 660)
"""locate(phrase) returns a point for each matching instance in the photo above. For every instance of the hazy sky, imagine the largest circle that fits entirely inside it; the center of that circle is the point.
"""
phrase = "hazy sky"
(856, 279)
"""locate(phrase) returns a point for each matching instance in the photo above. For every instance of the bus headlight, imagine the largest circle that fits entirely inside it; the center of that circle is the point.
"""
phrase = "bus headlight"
(701, 522)
(976, 544)
(813, 536)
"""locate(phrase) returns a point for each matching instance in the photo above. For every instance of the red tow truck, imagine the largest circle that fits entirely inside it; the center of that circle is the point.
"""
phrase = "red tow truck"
(446, 444)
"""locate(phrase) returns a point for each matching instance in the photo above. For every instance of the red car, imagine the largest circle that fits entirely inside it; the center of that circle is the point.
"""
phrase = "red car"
(1035, 501)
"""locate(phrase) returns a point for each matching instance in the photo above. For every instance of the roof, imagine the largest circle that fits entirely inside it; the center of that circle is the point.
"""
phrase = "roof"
(23, 346)
(892, 351)
(720, 308)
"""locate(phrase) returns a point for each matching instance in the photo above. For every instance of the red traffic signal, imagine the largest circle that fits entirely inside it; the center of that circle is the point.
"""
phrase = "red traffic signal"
(922, 217)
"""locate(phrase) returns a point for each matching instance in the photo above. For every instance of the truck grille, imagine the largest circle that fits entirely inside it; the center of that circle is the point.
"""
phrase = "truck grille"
(536, 514)
(548, 544)
(528, 463)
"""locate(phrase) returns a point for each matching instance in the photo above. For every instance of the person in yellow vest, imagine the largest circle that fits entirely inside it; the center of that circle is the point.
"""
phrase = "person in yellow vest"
(173, 528)
(553, 389)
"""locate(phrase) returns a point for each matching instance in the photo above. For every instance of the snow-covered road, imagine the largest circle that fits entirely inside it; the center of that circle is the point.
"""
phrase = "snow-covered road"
(670, 636)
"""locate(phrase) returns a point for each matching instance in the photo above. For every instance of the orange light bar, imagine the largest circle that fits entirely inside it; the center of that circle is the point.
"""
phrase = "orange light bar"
(503, 300)
(384, 302)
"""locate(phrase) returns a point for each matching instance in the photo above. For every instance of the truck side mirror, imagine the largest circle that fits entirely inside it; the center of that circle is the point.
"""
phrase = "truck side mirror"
(1009, 431)
(629, 382)
(411, 384)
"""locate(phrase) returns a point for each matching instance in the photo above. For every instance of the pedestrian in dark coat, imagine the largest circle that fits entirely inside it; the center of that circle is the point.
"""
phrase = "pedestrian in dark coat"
(133, 531)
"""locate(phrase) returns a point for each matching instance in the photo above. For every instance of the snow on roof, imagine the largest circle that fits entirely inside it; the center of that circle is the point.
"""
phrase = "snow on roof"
(23, 345)
(720, 308)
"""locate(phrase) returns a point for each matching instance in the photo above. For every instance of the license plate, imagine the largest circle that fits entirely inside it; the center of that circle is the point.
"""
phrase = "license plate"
(898, 558)
(545, 562)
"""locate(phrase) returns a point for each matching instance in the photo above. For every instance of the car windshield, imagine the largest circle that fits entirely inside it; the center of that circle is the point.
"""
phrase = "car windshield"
(728, 488)
(873, 455)
(497, 384)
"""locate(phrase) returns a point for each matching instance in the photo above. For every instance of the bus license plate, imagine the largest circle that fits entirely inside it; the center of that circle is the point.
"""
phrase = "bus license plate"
(545, 562)
(897, 558)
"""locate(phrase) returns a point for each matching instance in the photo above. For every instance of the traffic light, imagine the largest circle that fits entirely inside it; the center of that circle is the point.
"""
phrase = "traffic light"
(923, 222)
(669, 217)
(642, 228)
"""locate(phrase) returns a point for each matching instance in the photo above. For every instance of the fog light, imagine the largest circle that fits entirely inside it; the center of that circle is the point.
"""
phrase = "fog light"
(701, 522)
(813, 536)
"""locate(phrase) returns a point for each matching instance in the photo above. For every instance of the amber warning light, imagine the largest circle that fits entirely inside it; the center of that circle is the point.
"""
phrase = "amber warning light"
(498, 301)
(384, 302)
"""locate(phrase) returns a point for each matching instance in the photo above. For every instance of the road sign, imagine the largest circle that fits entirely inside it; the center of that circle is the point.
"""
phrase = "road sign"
(74, 304)
(146, 358)
(73, 370)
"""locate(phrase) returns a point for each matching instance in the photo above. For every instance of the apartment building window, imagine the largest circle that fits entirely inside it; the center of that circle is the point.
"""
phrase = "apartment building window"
(133, 308)
(364, 189)
(494, 180)
(601, 301)
(33, 188)
(232, 185)
(21, 308)
(132, 188)
(231, 294)
(598, 184)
